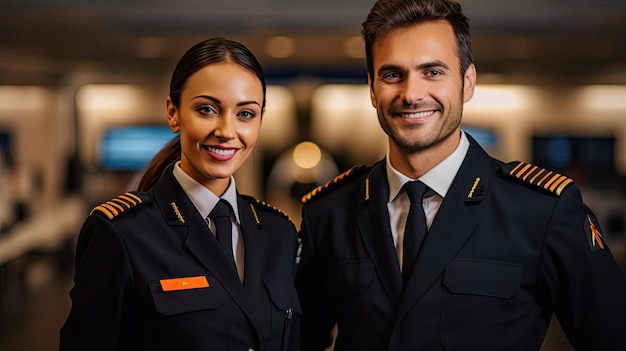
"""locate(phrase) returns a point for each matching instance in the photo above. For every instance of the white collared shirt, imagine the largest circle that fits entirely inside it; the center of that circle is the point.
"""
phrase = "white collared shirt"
(439, 179)
(204, 201)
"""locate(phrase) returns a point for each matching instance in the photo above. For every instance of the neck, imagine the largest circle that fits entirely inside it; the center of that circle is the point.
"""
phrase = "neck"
(416, 163)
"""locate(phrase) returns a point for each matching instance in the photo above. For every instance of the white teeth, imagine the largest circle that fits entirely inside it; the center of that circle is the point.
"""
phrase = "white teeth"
(418, 114)
(221, 152)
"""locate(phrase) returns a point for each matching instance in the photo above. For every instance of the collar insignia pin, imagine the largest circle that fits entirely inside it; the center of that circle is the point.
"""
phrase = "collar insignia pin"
(177, 211)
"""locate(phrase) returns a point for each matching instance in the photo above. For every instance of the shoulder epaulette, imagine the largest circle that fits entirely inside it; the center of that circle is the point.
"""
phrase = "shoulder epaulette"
(119, 205)
(537, 176)
(340, 179)
(265, 206)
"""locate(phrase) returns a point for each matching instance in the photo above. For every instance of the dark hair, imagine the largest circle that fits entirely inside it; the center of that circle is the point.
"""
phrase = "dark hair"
(204, 53)
(389, 15)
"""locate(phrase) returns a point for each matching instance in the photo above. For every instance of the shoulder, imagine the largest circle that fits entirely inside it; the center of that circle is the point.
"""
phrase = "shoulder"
(122, 204)
(259, 206)
(343, 179)
(537, 178)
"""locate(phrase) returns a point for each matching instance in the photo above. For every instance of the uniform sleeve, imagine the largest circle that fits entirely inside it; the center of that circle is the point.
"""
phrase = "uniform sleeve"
(317, 309)
(101, 316)
(581, 280)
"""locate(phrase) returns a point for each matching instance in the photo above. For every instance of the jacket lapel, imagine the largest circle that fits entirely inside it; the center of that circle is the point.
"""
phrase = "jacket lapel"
(255, 241)
(373, 220)
(183, 217)
(453, 225)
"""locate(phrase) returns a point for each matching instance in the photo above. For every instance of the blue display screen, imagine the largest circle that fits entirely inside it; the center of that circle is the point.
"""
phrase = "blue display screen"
(589, 160)
(132, 147)
(486, 137)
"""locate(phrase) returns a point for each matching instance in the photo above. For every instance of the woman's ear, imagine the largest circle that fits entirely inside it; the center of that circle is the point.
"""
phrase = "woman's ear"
(172, 115)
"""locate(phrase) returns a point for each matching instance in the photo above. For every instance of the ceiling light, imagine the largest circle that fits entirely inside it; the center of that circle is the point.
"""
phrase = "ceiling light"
(354, 47)
(280, 47)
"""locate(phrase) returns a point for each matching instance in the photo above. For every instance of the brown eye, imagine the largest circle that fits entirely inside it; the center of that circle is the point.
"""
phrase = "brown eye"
(205, 109)
(392, 75)
(246, 114)
(433, 73)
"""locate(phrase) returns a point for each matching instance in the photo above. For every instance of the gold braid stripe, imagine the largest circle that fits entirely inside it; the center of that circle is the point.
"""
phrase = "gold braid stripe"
(544, 177)
(103, 210)
(118, 205)
(177, 212)
(563, 185)
(537, 175)
(128, 198)
(522, 171)
(530, 172)
(540, 177)
(256, 216)
(516, 167)
(335, 180)
(111, 208)
(471, 193)
(276, 209)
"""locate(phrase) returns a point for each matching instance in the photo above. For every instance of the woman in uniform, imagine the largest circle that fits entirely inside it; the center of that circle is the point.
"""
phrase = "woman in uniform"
(186, 262)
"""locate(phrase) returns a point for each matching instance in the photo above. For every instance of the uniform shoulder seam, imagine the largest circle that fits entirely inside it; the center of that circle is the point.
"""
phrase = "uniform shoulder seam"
(262, 205)
(342, 179)
(538, 177)
(120, 204)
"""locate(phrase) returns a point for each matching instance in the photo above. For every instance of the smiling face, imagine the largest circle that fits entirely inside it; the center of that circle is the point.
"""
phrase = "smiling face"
(219, 119)
(418, 90)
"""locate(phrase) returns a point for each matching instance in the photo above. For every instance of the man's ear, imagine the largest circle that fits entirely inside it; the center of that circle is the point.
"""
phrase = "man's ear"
(469, 83)
(372, 95)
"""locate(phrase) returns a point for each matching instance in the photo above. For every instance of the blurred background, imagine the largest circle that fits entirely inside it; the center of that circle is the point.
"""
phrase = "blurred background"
(82, 108)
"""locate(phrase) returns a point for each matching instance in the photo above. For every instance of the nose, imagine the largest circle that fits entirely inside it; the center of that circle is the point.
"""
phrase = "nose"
(226, 127)
(413, 90)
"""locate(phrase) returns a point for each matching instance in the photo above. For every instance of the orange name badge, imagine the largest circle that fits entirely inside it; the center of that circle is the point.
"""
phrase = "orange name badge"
(184, 283)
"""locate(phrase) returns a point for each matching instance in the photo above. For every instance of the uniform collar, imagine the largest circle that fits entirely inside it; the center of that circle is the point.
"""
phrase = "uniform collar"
(201, 197)
(438, 179)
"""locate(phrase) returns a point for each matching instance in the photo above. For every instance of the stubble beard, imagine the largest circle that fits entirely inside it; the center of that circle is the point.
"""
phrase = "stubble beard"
(447, 126)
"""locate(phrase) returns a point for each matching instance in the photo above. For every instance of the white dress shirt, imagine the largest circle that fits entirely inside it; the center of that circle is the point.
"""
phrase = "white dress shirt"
(439, 179)
(204, 201)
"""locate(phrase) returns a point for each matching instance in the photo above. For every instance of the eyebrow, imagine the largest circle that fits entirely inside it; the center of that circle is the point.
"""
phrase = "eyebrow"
(422, 66)
(218, 101)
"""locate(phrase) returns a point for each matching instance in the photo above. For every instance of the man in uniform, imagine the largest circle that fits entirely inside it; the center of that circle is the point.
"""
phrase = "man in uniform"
(439, 246)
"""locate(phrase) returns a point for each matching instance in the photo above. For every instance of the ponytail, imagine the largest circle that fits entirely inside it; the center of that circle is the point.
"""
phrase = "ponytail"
(162, 161)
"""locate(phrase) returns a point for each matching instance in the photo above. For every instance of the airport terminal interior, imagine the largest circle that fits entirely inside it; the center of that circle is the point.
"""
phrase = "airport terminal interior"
(82, 109)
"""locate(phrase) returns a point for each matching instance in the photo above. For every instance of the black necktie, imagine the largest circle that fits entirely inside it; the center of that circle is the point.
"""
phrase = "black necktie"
(415, 229)
(223, 227)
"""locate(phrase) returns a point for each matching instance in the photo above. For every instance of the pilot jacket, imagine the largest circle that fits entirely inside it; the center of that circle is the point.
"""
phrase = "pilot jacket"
(151, 276)
(504, 253)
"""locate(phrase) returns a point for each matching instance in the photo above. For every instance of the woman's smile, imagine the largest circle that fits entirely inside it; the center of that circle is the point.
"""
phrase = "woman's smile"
(221, 153)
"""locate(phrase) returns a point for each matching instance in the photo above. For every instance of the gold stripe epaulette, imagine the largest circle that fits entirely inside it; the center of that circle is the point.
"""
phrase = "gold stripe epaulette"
(118, 205)
(540, 177)
(329, 184)
(265, 206)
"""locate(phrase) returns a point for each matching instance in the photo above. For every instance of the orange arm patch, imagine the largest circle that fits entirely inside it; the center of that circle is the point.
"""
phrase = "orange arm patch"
(596, 236)
(593, 234)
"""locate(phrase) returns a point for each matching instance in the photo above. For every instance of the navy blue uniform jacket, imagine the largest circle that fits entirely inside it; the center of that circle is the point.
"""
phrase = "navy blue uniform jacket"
(502, 256)
(153, 277)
